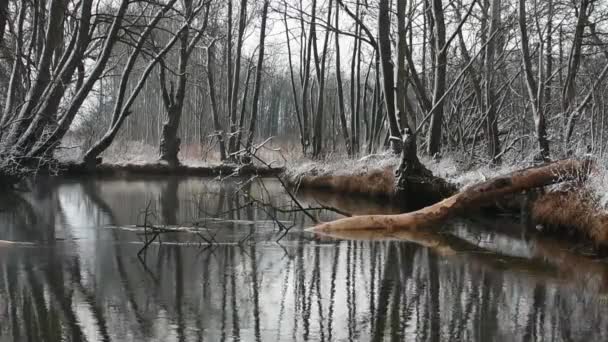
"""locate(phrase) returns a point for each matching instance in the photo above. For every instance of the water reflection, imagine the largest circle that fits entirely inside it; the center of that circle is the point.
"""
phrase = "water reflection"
(71, 272)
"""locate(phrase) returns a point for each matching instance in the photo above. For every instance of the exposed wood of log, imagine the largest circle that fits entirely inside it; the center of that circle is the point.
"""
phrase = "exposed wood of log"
(468, 199)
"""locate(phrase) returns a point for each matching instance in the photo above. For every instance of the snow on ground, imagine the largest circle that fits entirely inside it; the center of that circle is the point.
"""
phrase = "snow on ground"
(278, 154)
(597, 183)
(340, 165)
(448, 168)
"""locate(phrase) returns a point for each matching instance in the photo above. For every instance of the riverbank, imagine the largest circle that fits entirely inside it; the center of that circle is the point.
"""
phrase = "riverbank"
(564, 210)
(574, 210)
(163, 169)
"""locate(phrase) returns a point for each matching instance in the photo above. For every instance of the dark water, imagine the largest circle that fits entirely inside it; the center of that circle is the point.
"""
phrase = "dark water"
(71, 271)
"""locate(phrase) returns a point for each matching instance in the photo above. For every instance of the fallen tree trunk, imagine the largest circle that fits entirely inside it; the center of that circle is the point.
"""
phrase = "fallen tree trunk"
(468, 199)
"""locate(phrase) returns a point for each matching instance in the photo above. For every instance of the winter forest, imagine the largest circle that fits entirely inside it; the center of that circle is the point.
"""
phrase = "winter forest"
(483, 80)
(296, 170)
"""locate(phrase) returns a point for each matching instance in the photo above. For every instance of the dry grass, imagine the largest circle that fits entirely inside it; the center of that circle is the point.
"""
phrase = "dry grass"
(371, 175)
(376, 183)
(340, 165)
(572, 213)
(374, 174)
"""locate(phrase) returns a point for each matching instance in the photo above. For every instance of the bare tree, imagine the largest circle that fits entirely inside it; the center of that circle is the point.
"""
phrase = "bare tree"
(574, 61)
(439, 55)
(489, 97)
(232, 145)
(339, 84)
(122, 108)
(321, 68)
(174, 101)
(258, 77)
(212, 97)
(388, 78)
(533, 86)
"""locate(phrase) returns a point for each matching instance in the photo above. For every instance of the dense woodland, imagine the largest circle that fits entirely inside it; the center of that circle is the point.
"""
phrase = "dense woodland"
(486, 80)
(383, 87)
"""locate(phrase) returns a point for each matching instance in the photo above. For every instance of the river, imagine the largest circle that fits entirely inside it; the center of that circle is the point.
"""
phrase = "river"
(235, 263)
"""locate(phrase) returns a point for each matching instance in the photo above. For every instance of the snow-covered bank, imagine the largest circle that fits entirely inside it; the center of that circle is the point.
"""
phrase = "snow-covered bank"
(572, 209)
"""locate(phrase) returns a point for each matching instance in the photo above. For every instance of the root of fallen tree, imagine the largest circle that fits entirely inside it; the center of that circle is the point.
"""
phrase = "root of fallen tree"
(410, 177)
(471, 198)
(385, 183)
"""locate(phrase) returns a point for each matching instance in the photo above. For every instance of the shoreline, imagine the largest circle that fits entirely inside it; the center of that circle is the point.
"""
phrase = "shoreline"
(161, 169)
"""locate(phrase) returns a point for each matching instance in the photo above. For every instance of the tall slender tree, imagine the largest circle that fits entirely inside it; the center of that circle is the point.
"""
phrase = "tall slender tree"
(258, 76)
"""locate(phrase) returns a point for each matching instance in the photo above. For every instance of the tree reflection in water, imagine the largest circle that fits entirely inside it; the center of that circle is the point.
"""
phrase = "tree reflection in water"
(71, 273)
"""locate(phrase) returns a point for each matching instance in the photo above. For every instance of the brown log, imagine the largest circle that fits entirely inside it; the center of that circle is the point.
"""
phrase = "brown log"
(468, 199)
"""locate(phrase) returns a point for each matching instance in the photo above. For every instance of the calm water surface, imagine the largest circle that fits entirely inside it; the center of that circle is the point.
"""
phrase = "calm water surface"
(69, 271)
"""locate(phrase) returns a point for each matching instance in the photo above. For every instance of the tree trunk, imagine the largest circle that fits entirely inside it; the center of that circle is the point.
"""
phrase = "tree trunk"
(574, 60)
(318, 131)
(232, 144)
(229, 61)
(357, 112)
(292, 78)
(87, 85)
(532, 87)
(388, 80)
(174, 102)
(353, 86)
(258, 78)
(64, 62)
(3, 20)
(471, 198)
(13, 84)
(244, 105)
(549, 51)
(43, 77)
(491, 125)
(219, 131)
(341, 106)
(170, 142)
(401, 70)
(439, 80)
(305, 85)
